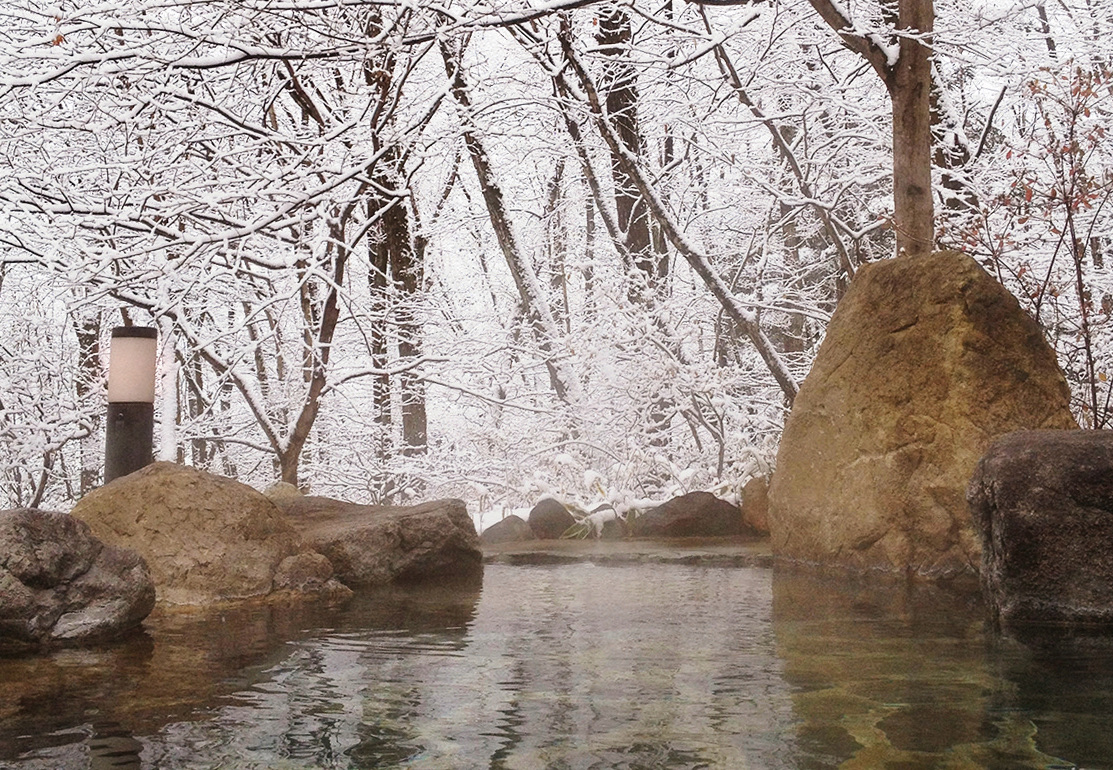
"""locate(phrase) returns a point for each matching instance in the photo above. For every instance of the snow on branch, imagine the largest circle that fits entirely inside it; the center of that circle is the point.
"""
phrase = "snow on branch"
(880, 54)
(699, 261)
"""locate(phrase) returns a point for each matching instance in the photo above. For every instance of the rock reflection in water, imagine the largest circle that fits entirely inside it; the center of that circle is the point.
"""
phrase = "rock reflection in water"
(113, 748)
(633, 666)
(573, 666)
(564, 667)
(885, 675)
(1061, 681)
(93, 700)
(899, 677)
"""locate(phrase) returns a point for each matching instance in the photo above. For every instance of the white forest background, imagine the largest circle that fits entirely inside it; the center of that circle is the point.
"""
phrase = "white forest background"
(291, 193)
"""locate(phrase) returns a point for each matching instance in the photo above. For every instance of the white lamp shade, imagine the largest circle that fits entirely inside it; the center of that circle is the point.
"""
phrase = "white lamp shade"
(131, 365)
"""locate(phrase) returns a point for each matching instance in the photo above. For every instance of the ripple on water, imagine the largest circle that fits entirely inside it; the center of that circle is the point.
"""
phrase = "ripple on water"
(571, 666)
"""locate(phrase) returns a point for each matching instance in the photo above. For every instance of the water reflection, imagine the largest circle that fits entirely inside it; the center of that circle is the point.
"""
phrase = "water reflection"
(630, 667)
(183, 663)
(889, 676)
(565, 667)
(1062, 681)
(113, 748)
(573, 666)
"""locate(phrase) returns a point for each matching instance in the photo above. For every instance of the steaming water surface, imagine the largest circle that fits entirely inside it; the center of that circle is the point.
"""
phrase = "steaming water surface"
(572, 666)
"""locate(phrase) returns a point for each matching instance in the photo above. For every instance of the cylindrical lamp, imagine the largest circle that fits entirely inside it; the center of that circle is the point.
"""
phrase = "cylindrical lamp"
(130, 424)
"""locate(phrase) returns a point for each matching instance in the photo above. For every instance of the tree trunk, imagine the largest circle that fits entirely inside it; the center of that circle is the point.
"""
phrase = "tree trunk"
(648, 260)
(320, 327)
(562, 378)
(908, 81)
(910, 91)
(407, 273)
(556, 239)
(589, 259)
(378, 279)
(88, 376)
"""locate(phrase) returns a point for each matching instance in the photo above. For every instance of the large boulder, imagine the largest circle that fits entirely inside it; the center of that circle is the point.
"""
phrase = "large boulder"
(549, 519)
(926, 360)
(206, 538)
(373, 545)
(59, 584)
(509, 529)
(696, 514)
(1042, 503)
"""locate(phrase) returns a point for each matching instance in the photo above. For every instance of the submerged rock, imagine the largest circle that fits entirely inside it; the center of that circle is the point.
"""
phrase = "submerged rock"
(926, 360)
(696, 514)
(206, 538)
(549, 519)
(59, 584)
(374, 545)
(1042, 502)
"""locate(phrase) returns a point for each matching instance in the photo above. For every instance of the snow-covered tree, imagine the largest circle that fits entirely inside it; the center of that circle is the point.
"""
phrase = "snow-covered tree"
(589, 248)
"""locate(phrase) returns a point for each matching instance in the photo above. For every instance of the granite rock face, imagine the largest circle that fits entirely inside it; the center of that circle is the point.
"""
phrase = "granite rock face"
(925, 361)
(696, 514)
(206, 538)
(1042, 503)
(59, 584)
(375, 545)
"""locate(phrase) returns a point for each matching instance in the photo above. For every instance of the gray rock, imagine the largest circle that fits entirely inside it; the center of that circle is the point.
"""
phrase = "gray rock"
(696, 514)
(926, 361)
(59, 584)
(549, 519)
(511, 529)
(1042, 504)
(374, 545)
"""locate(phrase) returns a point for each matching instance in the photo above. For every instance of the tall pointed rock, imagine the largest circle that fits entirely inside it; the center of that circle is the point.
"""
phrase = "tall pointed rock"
(926, 360)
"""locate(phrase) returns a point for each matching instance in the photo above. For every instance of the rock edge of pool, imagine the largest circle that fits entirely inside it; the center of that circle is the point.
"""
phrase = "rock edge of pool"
(708, 551)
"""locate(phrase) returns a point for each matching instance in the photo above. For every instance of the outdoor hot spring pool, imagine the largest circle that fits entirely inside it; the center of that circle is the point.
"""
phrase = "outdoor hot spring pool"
(578, 665)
